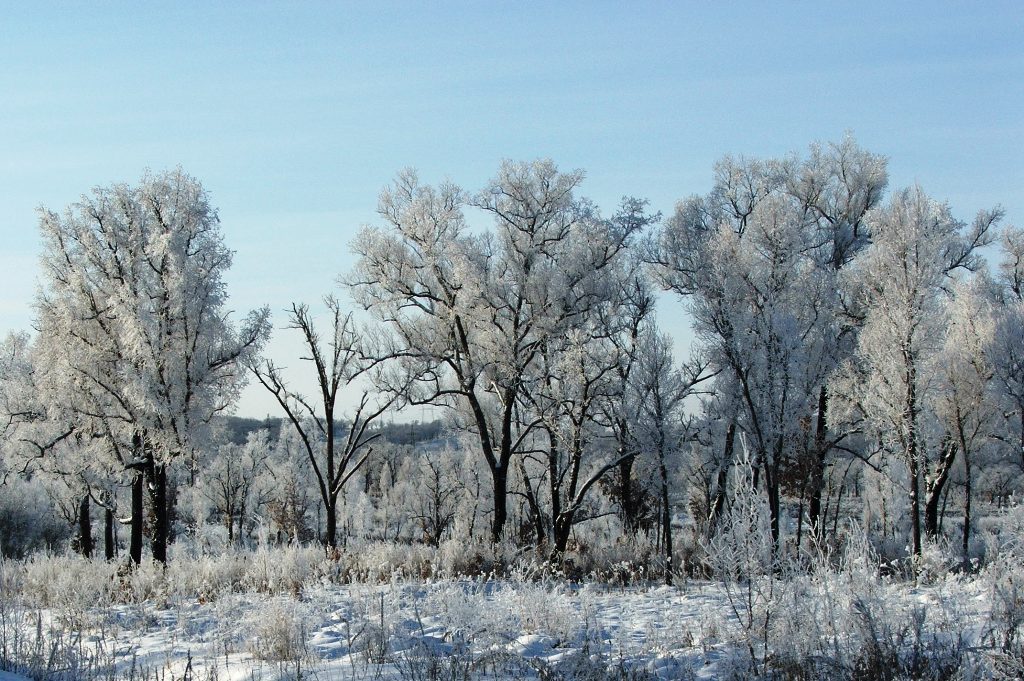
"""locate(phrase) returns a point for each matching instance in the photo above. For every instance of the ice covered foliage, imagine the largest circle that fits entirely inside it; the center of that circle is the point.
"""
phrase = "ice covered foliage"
(757, 260)
(470, 315)
(901, 283)
(132, 308)
(133, 339)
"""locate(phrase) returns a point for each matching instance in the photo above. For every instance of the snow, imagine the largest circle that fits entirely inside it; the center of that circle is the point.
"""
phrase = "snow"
(385, 631)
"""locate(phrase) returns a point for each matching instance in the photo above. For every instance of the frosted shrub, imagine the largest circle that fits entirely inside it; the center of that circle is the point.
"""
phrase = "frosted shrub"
(1004, 582)
(480, 557)
(283, 570)
(539, 608)
(936, 562)
(741, 554)
(278, 630)
(385, 561)
(67, 582)
(867, 626)
(207, 577)
(1003, 534)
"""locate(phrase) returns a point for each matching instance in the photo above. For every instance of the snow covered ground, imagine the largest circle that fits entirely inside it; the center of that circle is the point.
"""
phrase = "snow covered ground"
(511, 629)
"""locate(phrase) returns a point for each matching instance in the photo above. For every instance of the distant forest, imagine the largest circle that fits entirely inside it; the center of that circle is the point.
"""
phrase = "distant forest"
(239, 428)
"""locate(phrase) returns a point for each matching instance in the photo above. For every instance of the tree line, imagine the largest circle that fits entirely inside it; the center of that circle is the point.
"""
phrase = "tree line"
(849, 341)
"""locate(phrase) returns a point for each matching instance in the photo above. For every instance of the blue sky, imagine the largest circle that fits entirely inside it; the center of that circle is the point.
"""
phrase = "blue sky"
(295, 115)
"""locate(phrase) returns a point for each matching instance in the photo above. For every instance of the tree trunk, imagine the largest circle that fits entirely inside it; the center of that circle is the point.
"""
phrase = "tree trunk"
(817, 480)
(931, 512)
(108, 533)
(562, 530)
(915, 503)
(935, 488)
(666, 522)
(158, 498)
(135, 547)
(967, 505)
(331, 539)
(913, 454)
(85, 544)
(536, 516)
(499, 478)
(774, 507)
(628, 496)
(800, 519)
(718, 505)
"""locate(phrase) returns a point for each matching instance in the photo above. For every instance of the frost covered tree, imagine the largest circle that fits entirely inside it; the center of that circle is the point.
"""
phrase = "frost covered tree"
(42, 440)
(335, 456)
(655, 397)
(291, 508)
(1006, 346)
(757, 260)
(236, 485)
(131, 315)
(574, 397)
(428, 490)
(902, 281)
(469, 315)
(966, 405)
(623, 485)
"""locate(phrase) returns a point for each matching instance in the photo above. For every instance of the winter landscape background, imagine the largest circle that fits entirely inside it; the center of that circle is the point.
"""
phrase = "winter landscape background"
(316, 365)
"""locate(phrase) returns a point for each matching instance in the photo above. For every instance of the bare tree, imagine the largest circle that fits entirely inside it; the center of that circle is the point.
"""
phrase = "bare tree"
(334, 456)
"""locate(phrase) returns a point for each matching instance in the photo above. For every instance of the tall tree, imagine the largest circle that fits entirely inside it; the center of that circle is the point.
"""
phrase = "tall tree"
(902, 279)
(655, 398)
(966, 405)
(757, 259)
(132, 314)
(470, 315)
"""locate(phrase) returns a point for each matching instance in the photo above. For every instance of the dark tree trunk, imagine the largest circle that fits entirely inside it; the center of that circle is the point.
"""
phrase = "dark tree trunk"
(666, 522)
(817, 480)
(85, 544)
(913, 455)
(772, 483)
(560, 525)
(536, 517)
(158, 498)
(172, 511)
(331, 539)
(774, 507)
(499, 478)
(967, 506)
(931, 514)
(800, 520)
(562, 530)
(935, 488)
(915, 503)
(628, 500)
(135, 547)
(718, 505)
(108, 533)
(942, 512)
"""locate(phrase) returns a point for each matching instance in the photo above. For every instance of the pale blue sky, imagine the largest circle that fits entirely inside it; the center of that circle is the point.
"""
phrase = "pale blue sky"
(294, 115)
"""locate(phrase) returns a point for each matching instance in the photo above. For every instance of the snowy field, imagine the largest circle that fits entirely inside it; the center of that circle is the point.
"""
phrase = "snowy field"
(834, 621)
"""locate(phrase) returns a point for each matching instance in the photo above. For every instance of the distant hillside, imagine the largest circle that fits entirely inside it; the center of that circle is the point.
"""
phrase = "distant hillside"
(238, 429)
